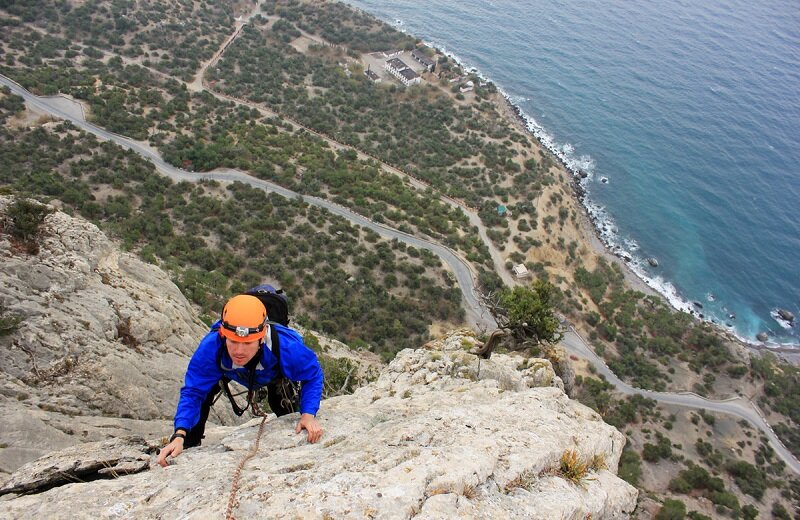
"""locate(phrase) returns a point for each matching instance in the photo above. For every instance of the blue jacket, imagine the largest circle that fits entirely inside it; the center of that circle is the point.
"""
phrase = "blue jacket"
(211, 361)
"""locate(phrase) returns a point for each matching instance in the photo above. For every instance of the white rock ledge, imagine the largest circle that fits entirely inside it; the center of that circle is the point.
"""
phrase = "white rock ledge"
(430, 439)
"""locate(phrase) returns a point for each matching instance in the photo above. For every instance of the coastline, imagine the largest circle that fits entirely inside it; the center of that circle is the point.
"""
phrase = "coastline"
(588, 228)
(591, 234)
(604, 237)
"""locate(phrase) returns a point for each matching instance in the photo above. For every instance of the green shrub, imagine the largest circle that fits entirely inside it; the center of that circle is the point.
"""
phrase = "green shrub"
(725, 499)
(630, 467)
(780, 512)
(749, 478)
(8, 322)
(749, 512)
(672, 510)
(25, 217)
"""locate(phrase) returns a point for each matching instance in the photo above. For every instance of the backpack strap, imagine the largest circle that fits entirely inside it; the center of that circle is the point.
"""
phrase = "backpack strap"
(223, 383)
(276, 348)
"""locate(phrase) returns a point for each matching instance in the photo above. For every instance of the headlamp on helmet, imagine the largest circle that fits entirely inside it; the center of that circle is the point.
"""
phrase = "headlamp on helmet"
(244, 319)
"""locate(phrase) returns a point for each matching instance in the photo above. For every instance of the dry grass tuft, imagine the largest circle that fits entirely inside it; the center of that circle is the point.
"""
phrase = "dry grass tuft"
(572, 468)
(469, 491)
(524, 480)
(598, 462)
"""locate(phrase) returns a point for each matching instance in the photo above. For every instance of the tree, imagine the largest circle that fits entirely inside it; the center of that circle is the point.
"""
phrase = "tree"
(526, 313)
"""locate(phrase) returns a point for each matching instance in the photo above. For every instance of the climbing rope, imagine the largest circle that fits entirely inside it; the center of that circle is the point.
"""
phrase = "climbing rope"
(252, 401)
(232, 501)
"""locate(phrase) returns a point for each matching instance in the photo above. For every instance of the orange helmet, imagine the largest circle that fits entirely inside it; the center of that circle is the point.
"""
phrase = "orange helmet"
(244, 319)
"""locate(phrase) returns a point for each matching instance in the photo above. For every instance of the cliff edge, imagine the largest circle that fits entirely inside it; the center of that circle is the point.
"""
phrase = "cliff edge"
(100, 352)
(436, 436)
(101, 345)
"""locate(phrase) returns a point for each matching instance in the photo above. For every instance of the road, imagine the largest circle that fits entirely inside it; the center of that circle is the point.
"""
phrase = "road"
(477, 315)
(736, 406)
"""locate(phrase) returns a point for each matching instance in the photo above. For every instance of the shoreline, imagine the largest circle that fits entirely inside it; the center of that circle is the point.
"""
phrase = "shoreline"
(592, 234)
(603, 237)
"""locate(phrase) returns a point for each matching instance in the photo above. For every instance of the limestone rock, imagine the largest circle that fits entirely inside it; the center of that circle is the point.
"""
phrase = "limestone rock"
(107, 459)
(103, 335)
(433, 437)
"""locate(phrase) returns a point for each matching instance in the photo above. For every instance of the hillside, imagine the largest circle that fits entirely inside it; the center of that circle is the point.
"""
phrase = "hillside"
(287, 101)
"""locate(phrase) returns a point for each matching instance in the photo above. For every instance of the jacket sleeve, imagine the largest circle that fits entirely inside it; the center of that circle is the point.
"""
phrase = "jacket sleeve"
(201, 376)
(299, 363)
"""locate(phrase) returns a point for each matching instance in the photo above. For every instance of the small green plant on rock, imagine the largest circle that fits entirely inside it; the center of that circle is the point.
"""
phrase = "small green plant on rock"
(8, 322)
(23, 220)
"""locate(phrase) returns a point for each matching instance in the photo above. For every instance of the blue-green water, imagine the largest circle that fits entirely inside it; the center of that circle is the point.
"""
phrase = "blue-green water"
(691, 113)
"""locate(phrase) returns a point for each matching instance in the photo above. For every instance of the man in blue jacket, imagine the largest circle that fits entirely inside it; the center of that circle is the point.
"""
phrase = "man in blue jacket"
(240, 348)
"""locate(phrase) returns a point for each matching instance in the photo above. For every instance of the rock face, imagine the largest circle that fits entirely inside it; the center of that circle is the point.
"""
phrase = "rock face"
(102, 346)
(437, 436)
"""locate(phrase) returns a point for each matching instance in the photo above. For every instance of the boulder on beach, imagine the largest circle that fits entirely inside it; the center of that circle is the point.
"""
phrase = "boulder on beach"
(786, 315)
(652, 261)
(762, 337)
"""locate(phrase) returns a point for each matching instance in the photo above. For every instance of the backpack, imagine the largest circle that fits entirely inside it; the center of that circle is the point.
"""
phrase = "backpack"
(276, 302)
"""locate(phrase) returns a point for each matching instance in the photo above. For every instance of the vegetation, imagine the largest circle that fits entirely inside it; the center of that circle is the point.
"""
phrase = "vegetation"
(173, 37)
(8, 321)
(24, 218)
(749, 478)
(460, 149)
(217, 242)
(572, 468)
(647, 335)
(526, 313)
(781, 383)
(597, 394)
(656, 452)
(630, 467)
(671, 510)
(10, 104)
(338, 24)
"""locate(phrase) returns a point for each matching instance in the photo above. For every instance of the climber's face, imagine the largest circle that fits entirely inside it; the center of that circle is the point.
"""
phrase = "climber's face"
(243, 351)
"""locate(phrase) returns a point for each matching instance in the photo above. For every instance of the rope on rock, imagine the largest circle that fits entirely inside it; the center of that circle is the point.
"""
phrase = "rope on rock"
(232, 501)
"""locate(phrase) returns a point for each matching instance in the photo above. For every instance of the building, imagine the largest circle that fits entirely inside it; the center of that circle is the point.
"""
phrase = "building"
(422, 58)
(397, 68)
(409, 77)
(372, 76)
(468, 86)
(520, 271)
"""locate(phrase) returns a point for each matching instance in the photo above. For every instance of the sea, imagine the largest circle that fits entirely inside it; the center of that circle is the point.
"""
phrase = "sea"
(686, 118)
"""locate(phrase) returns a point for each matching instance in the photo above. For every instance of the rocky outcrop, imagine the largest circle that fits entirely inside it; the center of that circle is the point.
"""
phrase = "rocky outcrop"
(786, 315)
(439, 435)
(101, 348)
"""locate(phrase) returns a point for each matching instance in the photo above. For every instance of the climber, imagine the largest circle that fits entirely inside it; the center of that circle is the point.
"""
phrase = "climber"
(244, 346)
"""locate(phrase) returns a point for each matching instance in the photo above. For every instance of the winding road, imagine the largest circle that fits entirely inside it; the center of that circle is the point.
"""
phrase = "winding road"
(477, 315)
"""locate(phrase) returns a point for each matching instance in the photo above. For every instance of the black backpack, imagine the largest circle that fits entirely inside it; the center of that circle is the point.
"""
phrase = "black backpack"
(276, 302)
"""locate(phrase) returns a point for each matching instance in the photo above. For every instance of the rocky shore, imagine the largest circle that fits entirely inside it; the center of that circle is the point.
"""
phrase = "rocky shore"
(591, 237)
